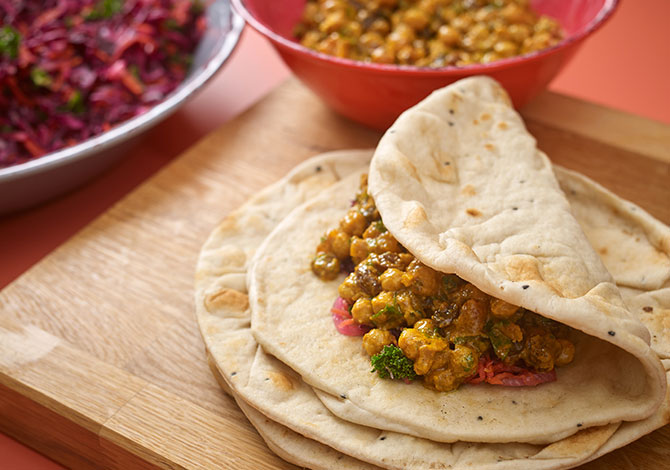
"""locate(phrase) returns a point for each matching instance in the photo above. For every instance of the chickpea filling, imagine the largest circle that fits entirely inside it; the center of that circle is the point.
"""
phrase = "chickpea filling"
(425, 33)
(447, 329)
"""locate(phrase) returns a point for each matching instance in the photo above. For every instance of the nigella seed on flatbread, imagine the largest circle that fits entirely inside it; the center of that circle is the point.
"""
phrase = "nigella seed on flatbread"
(648, 309)
(318, 168)
(343, 396)
(525, 286)
(611, 333)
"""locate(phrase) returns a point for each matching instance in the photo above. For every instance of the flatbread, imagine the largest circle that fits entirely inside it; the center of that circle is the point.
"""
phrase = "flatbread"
(463, 220)
(225, 327)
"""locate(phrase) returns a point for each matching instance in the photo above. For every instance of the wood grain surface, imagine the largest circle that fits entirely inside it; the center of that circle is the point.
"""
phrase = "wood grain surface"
(101, 362)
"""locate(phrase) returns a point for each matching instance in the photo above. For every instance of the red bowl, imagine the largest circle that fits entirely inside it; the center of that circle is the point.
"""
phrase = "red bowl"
(375, 94)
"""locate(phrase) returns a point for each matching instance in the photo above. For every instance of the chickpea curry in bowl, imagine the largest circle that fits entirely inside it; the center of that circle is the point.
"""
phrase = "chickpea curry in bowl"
(425, 33)
(418, 323)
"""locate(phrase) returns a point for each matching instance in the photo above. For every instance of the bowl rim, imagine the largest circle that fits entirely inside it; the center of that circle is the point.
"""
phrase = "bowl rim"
(605, 12)
(136, 125)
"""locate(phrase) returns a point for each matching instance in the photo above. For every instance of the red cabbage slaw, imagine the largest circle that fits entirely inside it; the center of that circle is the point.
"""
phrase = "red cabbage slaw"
(73, 69)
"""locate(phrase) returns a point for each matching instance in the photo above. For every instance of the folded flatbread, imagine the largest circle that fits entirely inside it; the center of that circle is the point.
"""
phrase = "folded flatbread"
(460, 183)
(223, 315)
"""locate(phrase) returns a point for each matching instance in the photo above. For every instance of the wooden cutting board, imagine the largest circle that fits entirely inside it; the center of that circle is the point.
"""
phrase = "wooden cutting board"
(101, 362)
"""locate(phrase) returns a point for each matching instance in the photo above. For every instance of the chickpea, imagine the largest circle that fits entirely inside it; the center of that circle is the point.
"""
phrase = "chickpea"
(326, 266)
(362, 311)
(383, 243)
(382, 55)
(333, 22)
(567, 353)
(379, 26)
(471, 319)
(513, 13)
(421, 279)
(310, 13)
(448, 35)
(374, 230)
(519, 32)
(409, 306)
(462, 22)
(442, 380)
(502, 309)
(358, 249)
(371, 40)
(416, 18)
(354, 223)
(311, 39)
(390, 279)
(401, 36)
(375, 340)
(505, 48)
(382, 300)
(537, 42)
(433, 354)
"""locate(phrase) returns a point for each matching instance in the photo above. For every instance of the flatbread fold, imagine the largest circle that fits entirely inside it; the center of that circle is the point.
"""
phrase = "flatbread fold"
(496, 218)
(265, 317)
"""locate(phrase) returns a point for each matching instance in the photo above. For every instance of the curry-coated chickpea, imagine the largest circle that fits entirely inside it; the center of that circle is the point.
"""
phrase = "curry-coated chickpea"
(352, 30)
(358, 249)
(519, 32)
(390, 279)
(404, 54)
(471, 318)
(349, 290)
(402, 35)
(437, 49)
(385, 242)
(502, 309)
(333, 5)
(567, 353)
(375, 340)
(513, 13)
(310, 13)
(339, 243)
(354, 223)
(416, 18)
(382, 55)
(311, 39)
(371, 40)
(326, 266)
(421, 279)
(381, 300)
(449, 35)
(380, 26)
(362, 311)
(462, 22)
(333, 22)
(408, 304)
(505, 48)
(374, 230)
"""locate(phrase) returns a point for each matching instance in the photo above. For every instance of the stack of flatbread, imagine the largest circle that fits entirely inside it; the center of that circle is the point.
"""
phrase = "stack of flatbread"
(460, 183)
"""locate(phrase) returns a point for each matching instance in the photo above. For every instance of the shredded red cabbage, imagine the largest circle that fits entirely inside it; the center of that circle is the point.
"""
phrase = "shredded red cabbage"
(72, 69)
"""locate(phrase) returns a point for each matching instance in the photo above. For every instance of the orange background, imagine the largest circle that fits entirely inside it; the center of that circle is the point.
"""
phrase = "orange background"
(626, 65)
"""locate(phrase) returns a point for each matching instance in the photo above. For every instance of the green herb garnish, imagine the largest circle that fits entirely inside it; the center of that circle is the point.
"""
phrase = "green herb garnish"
(391, 363)
(105, 9)
(9, 42)
(40, 77)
